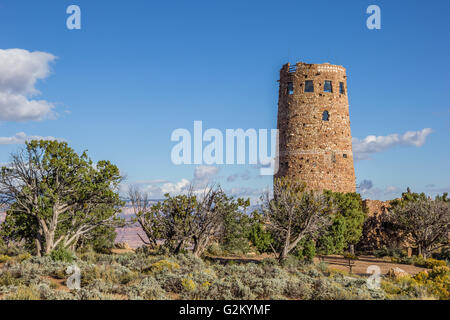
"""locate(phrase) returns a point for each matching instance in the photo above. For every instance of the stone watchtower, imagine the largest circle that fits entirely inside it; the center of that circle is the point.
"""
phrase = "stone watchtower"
(315, 141)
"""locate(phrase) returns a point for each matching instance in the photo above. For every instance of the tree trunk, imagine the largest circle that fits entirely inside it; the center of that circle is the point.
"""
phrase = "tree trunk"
(284, 252)
(200, 245)
(179, 247)
(352, 249)
(38, 247)
(49, 240)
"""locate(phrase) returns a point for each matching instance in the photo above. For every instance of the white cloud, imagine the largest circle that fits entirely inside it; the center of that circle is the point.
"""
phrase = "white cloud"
(176, 188)
(21, 137)
(157, 188)
(387, 193)
(362, 149)
(244, 176)
(18, 108)
(203, 175)
(19, 72)
(205, 172)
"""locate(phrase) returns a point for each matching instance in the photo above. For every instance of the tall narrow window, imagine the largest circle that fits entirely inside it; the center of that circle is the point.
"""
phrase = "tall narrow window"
(290, 88)
(327, 87)
(325, 116)
(341, 88)
(309, 86)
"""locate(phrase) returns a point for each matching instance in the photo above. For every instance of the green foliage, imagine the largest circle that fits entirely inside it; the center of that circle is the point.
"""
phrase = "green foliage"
(295, 213)
(100, 239)
(4, 258)
(185, 276)
(443, 254)
(56, 195)
(423, 220)
(61, 254)
(23, 256)
(236, 226)
(429, 263)
(347, 225)
(215, 249)
(349, 256)
(424, 285)
(390, 252)
(259, 236)
(306, 250)
(24, 293)
(190, 218)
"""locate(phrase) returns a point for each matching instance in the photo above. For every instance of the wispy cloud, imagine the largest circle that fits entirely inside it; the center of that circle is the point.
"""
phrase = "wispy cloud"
(363, 149)
(387, 193)
(204, 175)
(243, 175)
(19, 72)
(21, 137)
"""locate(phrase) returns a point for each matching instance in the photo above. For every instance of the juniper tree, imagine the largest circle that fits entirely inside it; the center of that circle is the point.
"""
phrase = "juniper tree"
(425, 221)
(62, 196)
(295, 213)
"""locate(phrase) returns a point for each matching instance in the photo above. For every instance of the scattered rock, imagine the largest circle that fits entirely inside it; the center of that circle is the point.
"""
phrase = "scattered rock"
(396, 273)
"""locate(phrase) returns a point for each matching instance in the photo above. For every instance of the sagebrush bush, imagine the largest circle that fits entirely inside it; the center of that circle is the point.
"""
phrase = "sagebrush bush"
(184, 276)
(4, 258)
(61, 254)
(24, 293)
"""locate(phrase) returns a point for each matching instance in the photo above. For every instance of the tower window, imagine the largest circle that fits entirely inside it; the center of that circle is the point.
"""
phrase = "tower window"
(344, 155)
(290, 88)
(325, 116)
(341, 88)
(327, 87)
(309, 86)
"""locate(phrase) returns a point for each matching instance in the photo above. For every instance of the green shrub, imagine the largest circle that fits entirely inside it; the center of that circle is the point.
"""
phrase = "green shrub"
(349, 256)
(390, 252)
(4, 258)
(444, 254)
(260, 238)
(430, 263)
(24, 293)
(23, 256)
(215, 249)
(7, 278)
(61, 254)
(307, 251)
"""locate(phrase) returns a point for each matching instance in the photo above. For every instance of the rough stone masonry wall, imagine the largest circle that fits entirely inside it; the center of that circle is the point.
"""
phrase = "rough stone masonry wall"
(317, 152)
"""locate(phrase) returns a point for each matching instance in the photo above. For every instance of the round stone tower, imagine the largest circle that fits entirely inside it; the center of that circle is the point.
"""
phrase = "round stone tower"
(315, 141)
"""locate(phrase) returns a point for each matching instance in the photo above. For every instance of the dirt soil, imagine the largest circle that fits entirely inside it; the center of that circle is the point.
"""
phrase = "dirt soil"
(361, 265)
(59, 283)
(336, 262)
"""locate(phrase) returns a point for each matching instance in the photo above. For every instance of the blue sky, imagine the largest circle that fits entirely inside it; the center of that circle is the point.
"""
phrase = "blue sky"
(137, 70)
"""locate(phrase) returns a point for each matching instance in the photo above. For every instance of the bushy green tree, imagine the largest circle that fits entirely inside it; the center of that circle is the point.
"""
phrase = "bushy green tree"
(56, 196)
(425, 221)
(258, 235)
(347, 223)
(295, 213)
(306, 250)
(196, 220)
(101, 239)
(236, 228)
